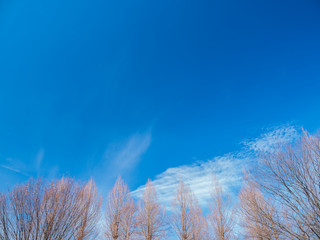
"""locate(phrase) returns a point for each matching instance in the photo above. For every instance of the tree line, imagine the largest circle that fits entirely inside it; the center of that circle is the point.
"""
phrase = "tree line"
(280, 199)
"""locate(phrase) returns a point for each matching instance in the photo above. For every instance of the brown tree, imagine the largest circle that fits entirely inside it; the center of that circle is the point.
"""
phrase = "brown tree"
(187, 220)
(90, 212)
(222, 215)
(259, 216)
(128, 225)
(199, 227)
(121, 213)
(5, 224)
(21, 215)
(61, 209)
(289, 175)
(151, 216)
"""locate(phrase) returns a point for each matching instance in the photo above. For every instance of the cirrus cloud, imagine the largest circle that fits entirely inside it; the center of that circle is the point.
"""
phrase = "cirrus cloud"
(228, 169)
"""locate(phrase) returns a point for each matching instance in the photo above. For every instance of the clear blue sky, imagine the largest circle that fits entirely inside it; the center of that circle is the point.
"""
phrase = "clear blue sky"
(100, 88)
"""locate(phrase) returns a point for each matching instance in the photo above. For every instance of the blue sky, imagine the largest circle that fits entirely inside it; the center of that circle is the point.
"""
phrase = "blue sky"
(137, 88)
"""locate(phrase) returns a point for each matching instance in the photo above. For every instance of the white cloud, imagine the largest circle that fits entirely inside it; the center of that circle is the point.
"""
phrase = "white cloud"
(125, 156)
(39, 159)
(14, 170)
(271, 139)
(228, 169)
(199, 177)
(120, 159)
(34, 167)
(15, 165)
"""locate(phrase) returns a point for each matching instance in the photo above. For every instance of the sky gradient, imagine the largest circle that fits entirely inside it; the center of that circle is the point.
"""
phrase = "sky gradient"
(105, 88)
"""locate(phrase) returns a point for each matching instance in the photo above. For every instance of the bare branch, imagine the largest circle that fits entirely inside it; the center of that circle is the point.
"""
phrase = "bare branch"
(187, 220)
(120, 214)
(151, 217)
(222, 215)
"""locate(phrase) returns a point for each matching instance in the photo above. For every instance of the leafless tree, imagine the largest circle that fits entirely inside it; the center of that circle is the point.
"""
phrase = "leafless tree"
(5, 224)
(289, 175)
(23, 213)
(121, 213)
(61, 209)
(199, 227)
(151, 216)
(259, 216)
(90, 212)
(187, 220)
(128, 225)
(222, 215)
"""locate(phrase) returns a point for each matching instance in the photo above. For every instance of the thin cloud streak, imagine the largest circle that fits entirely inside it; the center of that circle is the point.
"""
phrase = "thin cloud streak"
(15, 170)
(198, 176)
(124, 157)
(33, 168)
(39, 160)
(121, 159)
(228, 169)
(269, 140)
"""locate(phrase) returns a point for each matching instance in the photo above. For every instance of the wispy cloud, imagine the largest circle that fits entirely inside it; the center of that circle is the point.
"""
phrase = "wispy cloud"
(273, 137)
(198, 176)
(228, 169)
(15, 170)
(39, 159)
(16, 166)
(125, 156)
(121, 159)
(33, 167)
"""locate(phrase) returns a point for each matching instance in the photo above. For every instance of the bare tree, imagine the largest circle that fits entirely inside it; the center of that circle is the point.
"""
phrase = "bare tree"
(90, 212)
(260, 217)
(120, 214)
(23, 211)
(199, 227)
(62, 209)
(151, 217)
(187, 220)
(62, 206)
(290, 174)
(5, 228)
(128, 227)
(222, 215)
